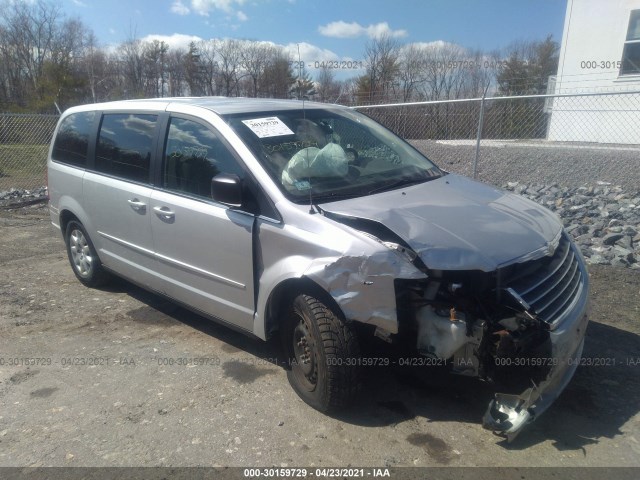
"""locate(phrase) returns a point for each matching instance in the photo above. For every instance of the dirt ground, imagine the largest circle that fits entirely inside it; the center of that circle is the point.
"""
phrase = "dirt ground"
(120, 377)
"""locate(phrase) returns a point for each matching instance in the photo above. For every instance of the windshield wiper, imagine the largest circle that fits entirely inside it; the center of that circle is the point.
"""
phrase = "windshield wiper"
(336, 196)
(403, 182)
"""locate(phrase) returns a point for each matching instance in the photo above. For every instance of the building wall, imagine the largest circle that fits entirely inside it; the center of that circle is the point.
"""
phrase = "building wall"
(592, 44)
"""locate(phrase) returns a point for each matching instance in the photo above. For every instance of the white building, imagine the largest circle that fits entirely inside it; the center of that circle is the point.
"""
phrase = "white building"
(600, 52)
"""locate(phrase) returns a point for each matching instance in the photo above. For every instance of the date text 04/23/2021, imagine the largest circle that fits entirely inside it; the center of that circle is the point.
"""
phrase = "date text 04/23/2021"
(285, 472)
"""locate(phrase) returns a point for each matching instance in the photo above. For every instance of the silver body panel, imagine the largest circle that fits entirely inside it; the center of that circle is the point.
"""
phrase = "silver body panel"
(186, 245)
(452, 223)
(120, 227)
(227, 263)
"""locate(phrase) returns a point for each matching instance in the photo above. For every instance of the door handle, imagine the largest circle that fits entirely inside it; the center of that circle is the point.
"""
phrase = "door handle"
(164, 212)
(137, 205)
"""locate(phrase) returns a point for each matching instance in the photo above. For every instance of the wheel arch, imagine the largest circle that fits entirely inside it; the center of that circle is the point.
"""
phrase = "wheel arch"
(284, 293)
(65, 217)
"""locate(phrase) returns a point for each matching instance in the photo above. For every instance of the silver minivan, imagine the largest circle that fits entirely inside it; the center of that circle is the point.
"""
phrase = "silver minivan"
(315, 223)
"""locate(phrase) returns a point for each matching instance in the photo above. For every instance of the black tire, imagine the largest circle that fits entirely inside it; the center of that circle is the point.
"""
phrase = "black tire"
(83, 258)
(323, 354)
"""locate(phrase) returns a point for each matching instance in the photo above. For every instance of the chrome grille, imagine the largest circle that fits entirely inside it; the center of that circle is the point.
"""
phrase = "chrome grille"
(551, 284)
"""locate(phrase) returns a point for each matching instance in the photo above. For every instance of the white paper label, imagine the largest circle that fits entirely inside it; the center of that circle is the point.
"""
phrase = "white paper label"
(267, 127)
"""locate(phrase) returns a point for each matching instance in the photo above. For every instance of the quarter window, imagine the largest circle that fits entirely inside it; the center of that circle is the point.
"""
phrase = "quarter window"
(194, 154)
(125, 144)
(631, 52)
(72, 139)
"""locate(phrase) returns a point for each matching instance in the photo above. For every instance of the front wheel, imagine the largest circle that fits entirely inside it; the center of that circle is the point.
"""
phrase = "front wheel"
(83, 257)
(323, 354)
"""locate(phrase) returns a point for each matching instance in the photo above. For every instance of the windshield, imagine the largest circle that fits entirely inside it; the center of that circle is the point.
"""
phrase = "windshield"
(330, 154)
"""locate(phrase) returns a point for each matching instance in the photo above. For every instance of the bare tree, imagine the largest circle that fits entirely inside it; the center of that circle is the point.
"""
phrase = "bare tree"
(131, 62)
(176, 72)
(46, 58)
(255, 57)
(229, 53)
(410, 71)
(154, 67)
(30, 31)
(209, 66)
(97, 68)
(444, 68)
(482, 75)
(382, 57)
(327, 88)
(41, 55)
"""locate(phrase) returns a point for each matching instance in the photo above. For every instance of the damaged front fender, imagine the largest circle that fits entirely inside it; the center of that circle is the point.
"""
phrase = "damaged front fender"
(356, 269)
(363, 286)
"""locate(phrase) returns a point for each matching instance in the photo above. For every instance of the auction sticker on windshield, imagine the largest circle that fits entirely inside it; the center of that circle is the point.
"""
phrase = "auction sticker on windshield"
(267, 127)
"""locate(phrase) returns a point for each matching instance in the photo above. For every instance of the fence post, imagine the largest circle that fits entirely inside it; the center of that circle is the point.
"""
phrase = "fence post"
(479, 135)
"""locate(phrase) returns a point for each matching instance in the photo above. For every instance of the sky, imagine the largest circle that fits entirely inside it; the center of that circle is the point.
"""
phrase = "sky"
(324, 29)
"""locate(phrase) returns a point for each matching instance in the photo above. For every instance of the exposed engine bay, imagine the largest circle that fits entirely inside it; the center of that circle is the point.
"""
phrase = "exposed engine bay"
(480, 325)
(466, 321)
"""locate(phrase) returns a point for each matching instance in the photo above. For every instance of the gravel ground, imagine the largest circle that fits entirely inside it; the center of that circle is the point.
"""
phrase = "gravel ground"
(134, 408)
(138, 406)
(538, 162)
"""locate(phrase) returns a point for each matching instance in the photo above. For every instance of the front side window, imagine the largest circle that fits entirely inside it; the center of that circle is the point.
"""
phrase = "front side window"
(330, 154)
(631, 52)
(72, 139)
(125, 144)
(194, 154)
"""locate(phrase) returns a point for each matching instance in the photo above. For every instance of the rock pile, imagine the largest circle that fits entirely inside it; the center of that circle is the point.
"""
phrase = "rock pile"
(604, 220)
(21, 194)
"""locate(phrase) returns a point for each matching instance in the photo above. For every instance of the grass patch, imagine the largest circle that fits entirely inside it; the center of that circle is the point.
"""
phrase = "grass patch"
(23, 166)
(19, 160)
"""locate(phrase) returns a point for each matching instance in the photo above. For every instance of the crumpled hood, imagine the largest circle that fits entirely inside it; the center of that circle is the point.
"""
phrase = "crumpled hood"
(455, 223)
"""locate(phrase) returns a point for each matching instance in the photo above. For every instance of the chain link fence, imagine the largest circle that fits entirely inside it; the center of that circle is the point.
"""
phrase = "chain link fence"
(24, 144)
(566, 140)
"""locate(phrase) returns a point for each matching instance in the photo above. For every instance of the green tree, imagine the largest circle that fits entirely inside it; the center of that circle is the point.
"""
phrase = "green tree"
(194, 71)
(528, 67)
(303, 87)
(526, 72)
(278, 77)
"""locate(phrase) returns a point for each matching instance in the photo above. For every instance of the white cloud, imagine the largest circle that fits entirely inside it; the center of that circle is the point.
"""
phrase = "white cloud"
(435, 45)
(176, 40)
(440, 47)
(341, 29)
(309, 53)
(180, 8)
(203, 7)
(79, 3)
(242, 16)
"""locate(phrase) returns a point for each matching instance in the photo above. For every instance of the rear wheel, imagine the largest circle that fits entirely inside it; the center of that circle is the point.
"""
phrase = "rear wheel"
(323, 354)
(83, 257)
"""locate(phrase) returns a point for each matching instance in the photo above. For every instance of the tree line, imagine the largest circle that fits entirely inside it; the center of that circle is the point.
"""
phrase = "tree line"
(49, 61)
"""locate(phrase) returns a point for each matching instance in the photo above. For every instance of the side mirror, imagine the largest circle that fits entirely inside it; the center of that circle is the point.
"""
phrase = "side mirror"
(226, 188)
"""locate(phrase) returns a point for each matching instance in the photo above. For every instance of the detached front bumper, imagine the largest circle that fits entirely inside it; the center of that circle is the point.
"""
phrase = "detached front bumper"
(508, 414)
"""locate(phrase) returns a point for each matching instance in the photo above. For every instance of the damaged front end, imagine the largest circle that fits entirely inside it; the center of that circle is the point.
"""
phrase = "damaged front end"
(520, 327)
(499, 291)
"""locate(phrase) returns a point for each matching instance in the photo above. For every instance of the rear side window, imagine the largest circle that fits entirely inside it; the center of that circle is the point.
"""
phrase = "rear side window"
(125, 144)
(72, 141)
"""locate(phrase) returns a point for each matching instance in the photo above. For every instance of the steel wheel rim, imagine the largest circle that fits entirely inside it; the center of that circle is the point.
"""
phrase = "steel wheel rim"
(80, 253)
(305, 358)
